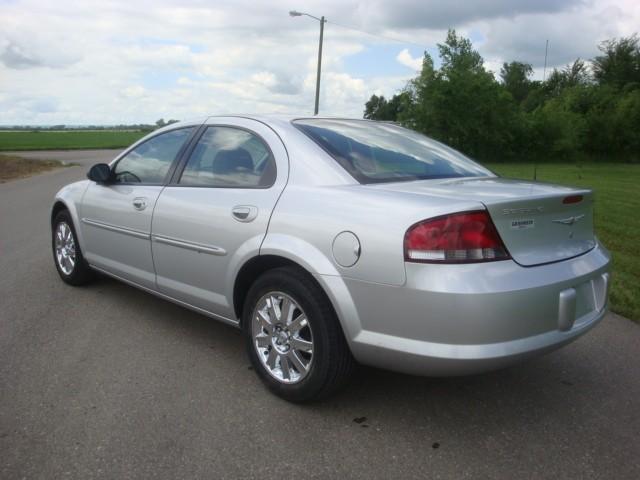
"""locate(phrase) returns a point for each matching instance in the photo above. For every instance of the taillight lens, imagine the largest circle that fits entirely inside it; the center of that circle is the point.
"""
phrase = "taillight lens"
(572, 199)
(457, 238)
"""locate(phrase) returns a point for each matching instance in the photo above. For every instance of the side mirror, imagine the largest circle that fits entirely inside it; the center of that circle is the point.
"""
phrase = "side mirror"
(100, 173)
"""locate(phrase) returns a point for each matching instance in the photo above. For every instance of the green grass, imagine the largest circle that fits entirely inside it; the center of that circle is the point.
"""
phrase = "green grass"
(67, 140)
(617, 217)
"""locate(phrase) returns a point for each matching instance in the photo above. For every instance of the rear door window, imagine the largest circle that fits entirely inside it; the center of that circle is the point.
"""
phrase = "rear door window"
(229, 157)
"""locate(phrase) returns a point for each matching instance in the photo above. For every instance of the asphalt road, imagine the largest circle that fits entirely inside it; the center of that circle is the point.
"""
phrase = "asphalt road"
(110, 382)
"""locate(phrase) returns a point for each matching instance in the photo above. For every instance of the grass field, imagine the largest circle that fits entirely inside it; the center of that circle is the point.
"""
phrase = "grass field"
(67, 140)
(617, 217)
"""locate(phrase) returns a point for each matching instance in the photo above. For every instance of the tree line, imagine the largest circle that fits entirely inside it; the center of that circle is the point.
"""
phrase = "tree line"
(588, 109)
(145, 127)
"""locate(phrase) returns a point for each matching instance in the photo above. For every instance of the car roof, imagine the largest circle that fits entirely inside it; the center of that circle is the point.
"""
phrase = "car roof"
(282, 120)
(282, 117)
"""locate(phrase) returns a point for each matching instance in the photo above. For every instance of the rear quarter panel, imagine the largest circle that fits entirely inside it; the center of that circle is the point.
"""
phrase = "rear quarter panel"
(307, 219)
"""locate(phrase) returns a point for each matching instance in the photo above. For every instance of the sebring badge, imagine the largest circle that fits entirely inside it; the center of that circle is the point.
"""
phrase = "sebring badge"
(569, 221)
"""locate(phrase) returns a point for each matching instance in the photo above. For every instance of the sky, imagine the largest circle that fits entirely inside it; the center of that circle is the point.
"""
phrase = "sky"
(115, 61)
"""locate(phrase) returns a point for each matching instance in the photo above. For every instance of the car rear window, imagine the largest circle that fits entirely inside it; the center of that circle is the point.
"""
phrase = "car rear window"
(377, 152)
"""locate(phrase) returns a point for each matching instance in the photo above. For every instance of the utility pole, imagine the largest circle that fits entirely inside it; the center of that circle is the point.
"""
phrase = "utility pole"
(322, 20)
(294, 13)
(544, 71)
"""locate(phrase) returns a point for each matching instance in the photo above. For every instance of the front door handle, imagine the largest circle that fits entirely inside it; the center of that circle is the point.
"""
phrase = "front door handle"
(140, 203)
(244, 213)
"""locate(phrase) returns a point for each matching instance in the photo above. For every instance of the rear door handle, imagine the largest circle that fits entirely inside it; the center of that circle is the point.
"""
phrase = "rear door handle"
(244, 213)
(140, 203)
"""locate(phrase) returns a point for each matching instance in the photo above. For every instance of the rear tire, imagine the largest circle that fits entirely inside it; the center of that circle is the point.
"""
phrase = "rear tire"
(67, 256)
(293, 336)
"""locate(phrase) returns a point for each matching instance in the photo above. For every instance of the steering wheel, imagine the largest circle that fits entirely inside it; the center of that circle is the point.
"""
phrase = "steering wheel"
(133, 175)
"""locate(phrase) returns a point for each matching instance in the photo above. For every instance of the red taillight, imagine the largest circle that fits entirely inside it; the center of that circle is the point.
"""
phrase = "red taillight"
(457, 238)
(572, 199)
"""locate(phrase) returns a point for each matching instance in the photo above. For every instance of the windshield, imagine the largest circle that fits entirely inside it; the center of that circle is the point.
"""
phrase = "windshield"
(376, 152)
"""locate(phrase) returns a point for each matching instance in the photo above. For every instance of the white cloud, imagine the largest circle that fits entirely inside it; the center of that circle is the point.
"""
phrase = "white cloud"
(572, 34)
(405, 58)
(438, 14)
(134, 91)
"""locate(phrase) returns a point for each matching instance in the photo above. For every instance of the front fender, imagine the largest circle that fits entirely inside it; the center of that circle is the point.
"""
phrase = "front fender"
(71, 197)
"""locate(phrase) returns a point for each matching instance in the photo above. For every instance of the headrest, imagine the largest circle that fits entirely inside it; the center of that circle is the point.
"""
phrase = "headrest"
(230, 161)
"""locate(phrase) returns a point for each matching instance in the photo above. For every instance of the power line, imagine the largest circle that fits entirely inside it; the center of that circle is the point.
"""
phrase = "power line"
(348, 27)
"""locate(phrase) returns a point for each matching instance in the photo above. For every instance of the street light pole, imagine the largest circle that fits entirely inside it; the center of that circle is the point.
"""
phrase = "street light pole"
(322, 21)
(315, 112)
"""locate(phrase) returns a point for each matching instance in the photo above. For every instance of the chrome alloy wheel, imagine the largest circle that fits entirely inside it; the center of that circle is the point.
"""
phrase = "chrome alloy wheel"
(282, 337)
(65, 247)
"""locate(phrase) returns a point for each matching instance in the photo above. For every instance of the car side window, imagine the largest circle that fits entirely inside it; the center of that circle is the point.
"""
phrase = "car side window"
(149, 162)
(229, 157)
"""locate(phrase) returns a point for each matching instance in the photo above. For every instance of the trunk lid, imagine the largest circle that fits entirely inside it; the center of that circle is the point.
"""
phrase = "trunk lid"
(534, 220)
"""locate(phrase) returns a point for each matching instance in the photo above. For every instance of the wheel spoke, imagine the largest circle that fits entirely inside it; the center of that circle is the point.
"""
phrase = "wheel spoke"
(271, 359)
(301, 344)
(274, 311)
(284, 366)
(286, 311)
(263, 340)
(264, 322)
(297, 363)
(298, 323)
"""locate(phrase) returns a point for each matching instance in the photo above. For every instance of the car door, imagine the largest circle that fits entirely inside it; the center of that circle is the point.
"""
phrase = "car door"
(216, 211)
(116, 217)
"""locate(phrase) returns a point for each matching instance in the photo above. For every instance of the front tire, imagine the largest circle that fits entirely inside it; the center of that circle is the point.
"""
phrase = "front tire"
(67, 256)
(293, 336)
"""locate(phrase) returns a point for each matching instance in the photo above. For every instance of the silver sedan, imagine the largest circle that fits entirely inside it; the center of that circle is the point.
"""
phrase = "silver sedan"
(333, 241)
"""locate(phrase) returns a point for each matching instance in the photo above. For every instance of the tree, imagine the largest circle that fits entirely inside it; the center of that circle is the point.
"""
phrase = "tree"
(461, 103)
(378, 108)
(628, 123)
(572, 113)
(619, 64)
(374, 106)
(572, 75)
(558, 129)
(457, 55)
(515, 78)
(576, 73)
(161, 123)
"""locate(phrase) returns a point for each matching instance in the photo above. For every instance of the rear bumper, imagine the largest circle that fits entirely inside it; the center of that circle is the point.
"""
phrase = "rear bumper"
(462, 319)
